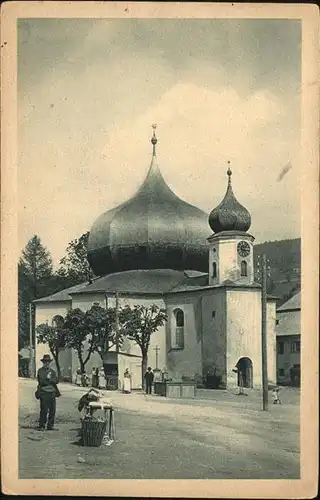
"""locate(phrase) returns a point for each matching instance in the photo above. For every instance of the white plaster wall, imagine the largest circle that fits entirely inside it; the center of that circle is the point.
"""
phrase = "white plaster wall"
(185, 361)
(157, 339)
(228, 260)
(271, 342)
(244, 332)
(228, 266)
(86, 301)
(45, 312)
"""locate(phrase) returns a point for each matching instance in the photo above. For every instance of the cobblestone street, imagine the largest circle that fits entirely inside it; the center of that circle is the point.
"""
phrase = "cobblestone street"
(220, 436)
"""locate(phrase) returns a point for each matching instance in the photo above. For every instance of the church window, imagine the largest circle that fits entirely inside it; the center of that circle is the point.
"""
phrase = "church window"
(178, 328)
(214, 270)
(244, 268)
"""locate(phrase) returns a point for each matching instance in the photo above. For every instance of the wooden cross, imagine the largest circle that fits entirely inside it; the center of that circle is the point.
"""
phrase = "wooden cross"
(157, 349)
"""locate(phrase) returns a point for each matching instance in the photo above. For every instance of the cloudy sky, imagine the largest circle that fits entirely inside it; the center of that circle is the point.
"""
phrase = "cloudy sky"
(219, 90)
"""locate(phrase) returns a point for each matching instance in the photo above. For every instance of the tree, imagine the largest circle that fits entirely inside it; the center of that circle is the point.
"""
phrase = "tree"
(54, 336)
(36, 262)
(102, 328)
(139, 323)
(74, 267)
(76, 333)
(24, 299)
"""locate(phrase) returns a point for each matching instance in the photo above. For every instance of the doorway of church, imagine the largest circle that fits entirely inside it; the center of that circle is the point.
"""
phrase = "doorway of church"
(245, 378)
(111, 372)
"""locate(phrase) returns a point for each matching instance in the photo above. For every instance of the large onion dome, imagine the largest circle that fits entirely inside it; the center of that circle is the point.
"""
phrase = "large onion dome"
(229, 215)
(153, 230)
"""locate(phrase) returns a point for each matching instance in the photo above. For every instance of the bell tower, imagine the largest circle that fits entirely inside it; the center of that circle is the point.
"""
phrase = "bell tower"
(230, 246)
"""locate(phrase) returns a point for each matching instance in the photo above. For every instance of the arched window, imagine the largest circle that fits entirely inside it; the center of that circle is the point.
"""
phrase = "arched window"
(244, 268)
(214, 269)
(178, 328)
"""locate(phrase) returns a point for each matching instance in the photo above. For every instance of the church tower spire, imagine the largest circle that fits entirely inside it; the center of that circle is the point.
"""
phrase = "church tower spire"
(230, 247)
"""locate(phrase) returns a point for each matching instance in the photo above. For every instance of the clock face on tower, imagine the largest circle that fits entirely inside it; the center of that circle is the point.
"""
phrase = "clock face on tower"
(243, 249)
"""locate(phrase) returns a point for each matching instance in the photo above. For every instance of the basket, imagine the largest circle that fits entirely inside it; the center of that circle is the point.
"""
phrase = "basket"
(93, 432)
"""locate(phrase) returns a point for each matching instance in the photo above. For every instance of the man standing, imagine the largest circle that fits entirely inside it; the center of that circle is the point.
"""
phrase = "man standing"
(47, 391)
(149, 376)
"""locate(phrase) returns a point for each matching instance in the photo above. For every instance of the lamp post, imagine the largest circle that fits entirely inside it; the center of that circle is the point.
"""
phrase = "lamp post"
(157, 349)
(264, 357)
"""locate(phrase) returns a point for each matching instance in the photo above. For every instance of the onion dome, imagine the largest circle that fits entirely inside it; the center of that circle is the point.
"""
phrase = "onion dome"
(229, 215)
(153, 230)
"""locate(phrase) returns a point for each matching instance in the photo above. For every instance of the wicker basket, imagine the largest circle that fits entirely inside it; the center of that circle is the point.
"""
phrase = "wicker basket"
(93, 432)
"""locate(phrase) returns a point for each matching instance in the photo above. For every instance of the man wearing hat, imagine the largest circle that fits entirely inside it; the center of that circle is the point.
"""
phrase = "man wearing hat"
(47, 391)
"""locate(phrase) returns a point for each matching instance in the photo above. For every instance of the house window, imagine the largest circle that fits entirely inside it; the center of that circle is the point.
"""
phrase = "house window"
(214, 270)
(295, 346)
(213, 314)
(178, 329)
(281, 372)
(280, 347)
(244, 268)
(277, 321)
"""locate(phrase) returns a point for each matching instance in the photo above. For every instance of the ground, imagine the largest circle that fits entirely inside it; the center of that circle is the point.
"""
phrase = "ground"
(218, 435)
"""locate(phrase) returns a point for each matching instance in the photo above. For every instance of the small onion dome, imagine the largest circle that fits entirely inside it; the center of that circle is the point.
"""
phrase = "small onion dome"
(229, 215)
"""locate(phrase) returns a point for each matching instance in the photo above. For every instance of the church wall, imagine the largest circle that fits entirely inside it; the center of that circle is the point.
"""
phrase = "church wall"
(85, 301)
(214, 333)
(271, 342)
(243, 333)
(45, 312)
(186, 361)
(157, 339)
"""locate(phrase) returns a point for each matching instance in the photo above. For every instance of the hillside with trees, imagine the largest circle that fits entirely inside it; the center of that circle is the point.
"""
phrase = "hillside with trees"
(284, 261)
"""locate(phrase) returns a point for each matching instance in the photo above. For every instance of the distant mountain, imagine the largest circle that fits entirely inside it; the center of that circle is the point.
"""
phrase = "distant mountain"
(284, 260)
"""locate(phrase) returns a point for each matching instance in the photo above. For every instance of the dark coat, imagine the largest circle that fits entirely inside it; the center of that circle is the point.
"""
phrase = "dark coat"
(46, 385)
(149, 376)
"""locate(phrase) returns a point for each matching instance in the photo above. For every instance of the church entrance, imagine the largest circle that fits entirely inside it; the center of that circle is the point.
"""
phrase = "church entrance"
(244, 367)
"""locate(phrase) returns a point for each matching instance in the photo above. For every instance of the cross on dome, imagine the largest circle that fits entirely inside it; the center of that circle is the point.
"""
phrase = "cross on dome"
(154, 139)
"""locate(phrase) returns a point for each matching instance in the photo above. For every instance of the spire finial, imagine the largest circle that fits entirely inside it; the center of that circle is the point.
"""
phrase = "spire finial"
(154, 140)
(229, 172)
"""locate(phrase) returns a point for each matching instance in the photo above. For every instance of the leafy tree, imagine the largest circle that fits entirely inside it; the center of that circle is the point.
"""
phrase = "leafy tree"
(35, 279)
(54, 337)
(77, 333)
(36, 262)
(139, 323)
(24, 299)
(74, 267)
(102, 328)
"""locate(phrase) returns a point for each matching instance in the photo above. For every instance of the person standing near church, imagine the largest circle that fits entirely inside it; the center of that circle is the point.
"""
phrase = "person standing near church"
(149, 376)
(47, 392)
(102, 379)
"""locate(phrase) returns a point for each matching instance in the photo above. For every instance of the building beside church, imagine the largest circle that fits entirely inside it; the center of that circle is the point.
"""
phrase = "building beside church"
(288, 341)
(156, 248)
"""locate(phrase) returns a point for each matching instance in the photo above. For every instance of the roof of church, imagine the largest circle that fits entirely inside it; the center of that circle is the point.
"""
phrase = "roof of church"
(139, 281)
(154, 229)
(63, 295)
(293, 304)
(142, 281)
(229, 215)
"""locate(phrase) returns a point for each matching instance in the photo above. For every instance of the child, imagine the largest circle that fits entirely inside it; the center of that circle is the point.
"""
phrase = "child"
(275, 396)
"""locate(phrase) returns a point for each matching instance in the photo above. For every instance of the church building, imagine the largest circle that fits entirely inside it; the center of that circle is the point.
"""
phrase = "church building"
(157, 249)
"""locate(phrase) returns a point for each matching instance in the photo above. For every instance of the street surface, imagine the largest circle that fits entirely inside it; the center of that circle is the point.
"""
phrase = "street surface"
(218, 437)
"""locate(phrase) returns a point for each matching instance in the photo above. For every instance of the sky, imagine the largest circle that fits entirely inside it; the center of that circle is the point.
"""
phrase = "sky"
(219, 90)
